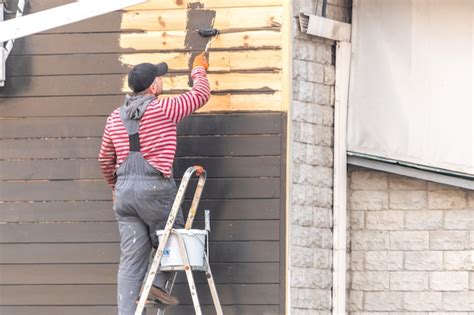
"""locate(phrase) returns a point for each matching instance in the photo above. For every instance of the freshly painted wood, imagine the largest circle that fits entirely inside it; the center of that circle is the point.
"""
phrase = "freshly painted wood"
(36, 274)
(99, 190)
(112, 310)
(106, 294)
(49, 150)
(235, 124)
(256, 145)
(102, 105)
(102, 211)
(98, 232)
(91, 253)
(89, 168)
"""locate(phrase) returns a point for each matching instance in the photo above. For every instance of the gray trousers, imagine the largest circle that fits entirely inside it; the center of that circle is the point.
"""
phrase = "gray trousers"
(143, 201)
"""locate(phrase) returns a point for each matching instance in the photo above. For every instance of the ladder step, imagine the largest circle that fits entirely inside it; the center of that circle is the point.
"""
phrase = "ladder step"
(181, 268)
(152, 303)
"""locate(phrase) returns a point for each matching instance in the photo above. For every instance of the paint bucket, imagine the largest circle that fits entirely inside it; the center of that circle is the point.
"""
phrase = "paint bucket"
(194, 241)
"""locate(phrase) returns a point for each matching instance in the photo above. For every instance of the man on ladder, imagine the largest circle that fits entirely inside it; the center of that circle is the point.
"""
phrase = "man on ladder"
(136, 158)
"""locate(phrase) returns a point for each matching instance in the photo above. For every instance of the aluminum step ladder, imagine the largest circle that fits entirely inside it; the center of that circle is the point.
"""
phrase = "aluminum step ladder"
(187, 268)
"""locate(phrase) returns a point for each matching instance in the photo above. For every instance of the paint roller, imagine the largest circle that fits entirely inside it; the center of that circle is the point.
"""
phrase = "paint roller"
(208, 32)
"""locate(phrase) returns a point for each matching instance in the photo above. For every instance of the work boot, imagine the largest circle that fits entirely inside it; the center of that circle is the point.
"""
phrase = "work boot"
(163, 297)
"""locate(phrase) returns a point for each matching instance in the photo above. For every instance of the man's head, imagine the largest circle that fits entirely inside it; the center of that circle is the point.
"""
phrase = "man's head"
(145, 78)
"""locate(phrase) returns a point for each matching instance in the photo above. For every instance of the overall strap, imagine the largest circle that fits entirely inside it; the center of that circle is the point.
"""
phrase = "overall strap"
(134, 142)
(132, 126)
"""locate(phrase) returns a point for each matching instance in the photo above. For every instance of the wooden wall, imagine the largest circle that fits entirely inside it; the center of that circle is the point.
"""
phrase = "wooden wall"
(58, 239)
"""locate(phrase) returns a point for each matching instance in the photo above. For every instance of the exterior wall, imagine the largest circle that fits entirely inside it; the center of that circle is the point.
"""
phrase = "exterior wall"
(58, 240)
(311, 134)
(411, 247)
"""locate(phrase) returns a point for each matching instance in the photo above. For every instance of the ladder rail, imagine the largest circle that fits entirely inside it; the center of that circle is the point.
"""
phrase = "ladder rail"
(212, 288)
(197, 197)
(189, 274)
(167, 231)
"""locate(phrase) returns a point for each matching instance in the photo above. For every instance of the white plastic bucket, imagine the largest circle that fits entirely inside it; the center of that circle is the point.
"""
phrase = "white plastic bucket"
(194, 241)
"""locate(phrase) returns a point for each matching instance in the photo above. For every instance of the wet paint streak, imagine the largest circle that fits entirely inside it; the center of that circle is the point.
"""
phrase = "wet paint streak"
(197, 17)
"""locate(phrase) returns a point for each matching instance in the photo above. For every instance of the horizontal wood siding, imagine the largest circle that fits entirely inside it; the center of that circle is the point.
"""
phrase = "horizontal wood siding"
(59, 247)
(91, 58)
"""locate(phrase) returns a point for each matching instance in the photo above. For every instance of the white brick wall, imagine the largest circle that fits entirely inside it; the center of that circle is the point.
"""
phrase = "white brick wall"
(312, 138)
(411, 246)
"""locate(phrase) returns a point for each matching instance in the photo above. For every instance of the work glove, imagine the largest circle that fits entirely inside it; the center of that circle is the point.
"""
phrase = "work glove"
(201, 61)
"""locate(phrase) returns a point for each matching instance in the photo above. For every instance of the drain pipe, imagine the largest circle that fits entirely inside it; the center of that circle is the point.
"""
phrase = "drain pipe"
(343, 57)
(341, 33)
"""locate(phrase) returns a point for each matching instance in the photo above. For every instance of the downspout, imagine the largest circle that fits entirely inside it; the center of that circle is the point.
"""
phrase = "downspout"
(341, 33)
(343, 55)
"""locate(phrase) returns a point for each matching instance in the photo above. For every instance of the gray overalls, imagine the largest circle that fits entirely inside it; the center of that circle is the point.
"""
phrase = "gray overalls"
(143, 200)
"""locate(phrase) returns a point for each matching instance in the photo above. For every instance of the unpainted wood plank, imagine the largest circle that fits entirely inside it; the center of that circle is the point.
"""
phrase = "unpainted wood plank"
(98, 253)
(218, 60)
(174, 19)
(170, 4)
(38, 5)
(139, 42)
(225, 18)
(99, 232)
(172, 40)
(254, 145)
(216, 188)
(112, 310)
(106, 294)
(89, 169)
(99, 211)
(100, 105)
(78, 274)
(117, 83)
(244, 102)
(247, 60)
(235, 124)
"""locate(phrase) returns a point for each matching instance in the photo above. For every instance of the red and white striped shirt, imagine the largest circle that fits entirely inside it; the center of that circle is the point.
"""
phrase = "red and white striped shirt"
(157, 129)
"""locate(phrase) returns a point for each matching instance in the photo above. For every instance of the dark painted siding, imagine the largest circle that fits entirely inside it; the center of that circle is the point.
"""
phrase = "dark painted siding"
(58, 238)
(59, 241)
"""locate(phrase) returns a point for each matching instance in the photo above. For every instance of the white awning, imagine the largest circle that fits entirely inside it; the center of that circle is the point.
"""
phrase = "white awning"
(411, 86)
